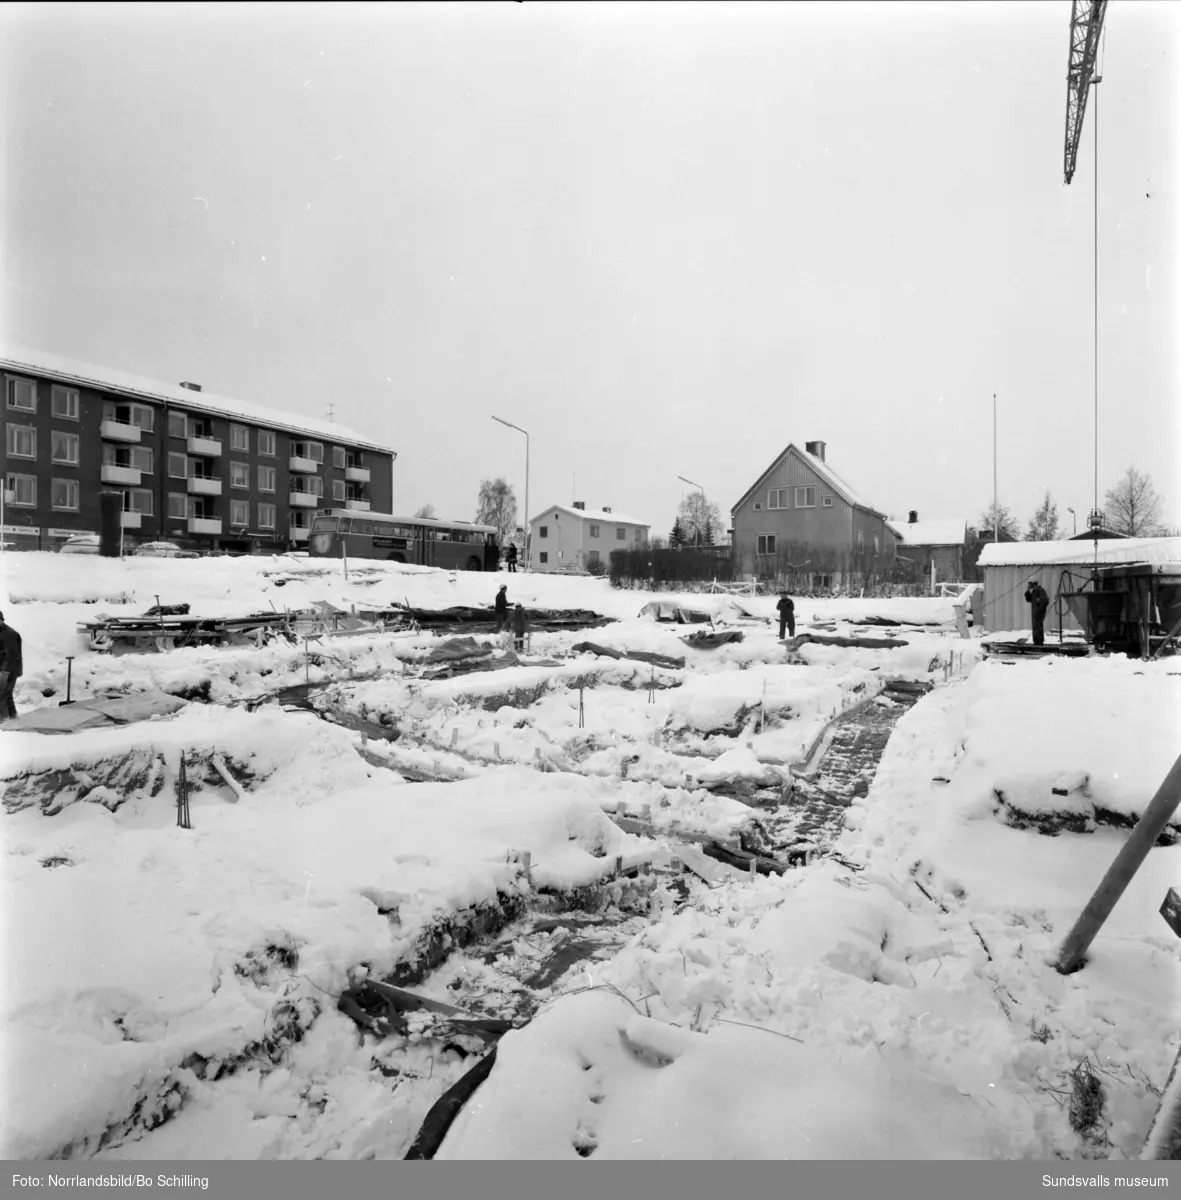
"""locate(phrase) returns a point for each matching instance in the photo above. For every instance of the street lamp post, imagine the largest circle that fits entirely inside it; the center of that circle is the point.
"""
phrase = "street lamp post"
(528, 531)
(1073, 514)
(702, 491)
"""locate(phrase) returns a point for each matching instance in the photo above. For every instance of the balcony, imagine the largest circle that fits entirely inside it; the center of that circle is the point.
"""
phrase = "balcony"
(201, 485)
(117, 431)
(205, 525)
(299, 533)
(113, 474)
(359, 505)
(131, 520)
(357, 474)
(205, 447)
(305, 466)
(303, 500)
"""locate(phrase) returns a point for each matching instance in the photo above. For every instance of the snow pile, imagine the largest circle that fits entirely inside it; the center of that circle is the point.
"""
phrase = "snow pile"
(1066, 727)
(591, 1076)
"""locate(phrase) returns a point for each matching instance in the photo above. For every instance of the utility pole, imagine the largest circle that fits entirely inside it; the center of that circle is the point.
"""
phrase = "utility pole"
(996, 512)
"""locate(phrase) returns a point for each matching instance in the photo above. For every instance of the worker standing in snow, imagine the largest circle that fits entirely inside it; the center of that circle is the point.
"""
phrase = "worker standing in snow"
(1039, 600)
(12, 667)
(502, 607)
(519, 628)
(787, 615)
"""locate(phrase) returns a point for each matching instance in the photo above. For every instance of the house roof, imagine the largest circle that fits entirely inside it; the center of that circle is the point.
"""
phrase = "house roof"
(948, 531)
(822, 469)
(591, 514)
(1116, 550)
(52, 366)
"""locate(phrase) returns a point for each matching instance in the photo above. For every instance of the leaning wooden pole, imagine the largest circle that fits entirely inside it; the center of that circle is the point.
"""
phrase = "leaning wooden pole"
(1127, 862)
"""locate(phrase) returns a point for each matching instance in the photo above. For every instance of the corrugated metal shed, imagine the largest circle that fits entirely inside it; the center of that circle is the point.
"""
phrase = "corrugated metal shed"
(1058, 567)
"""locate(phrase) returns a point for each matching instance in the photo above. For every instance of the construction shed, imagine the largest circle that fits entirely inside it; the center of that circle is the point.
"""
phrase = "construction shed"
(1061, 568)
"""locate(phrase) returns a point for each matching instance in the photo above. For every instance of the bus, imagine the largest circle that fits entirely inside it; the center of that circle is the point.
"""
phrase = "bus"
(451, 545)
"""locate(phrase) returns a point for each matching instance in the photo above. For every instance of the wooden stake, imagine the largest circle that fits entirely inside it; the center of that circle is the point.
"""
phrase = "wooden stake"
(1135, 850)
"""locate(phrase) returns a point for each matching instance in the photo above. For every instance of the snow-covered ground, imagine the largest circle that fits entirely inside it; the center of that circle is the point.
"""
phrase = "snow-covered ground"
(171, 993)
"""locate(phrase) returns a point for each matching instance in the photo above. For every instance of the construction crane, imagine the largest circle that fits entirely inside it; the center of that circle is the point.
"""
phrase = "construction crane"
(1086, 24)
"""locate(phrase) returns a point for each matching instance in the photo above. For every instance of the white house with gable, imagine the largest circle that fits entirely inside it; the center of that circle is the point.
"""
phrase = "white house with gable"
(572, 537)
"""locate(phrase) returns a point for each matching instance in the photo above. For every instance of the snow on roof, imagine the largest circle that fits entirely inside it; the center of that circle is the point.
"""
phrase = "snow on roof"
(949, 531)
(825, 471)
(822, 469)
(591, 514)
(1039, 554)
(37, 362)
(893, 529)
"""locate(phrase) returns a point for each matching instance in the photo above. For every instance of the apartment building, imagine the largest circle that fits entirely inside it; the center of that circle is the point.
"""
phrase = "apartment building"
(205, 471)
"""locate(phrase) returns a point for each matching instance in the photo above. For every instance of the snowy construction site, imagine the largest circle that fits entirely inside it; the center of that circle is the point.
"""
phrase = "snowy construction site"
(323, 868)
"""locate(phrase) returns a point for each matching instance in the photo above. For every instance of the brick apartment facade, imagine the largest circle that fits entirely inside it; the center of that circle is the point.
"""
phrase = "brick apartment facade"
(206, 472)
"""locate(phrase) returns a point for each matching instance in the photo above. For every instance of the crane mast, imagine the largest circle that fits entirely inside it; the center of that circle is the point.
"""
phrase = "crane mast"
(1086, 23)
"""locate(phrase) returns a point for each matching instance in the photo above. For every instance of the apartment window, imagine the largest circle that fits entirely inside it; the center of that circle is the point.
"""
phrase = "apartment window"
(311, 486)
(178, 466)
(826, 502)
(266, 516)
(22, 394)
(777, 498)
(594, 531)
(338, 489)
(805, 497)
(239, 512)
(266, 443)
(64, 495)
(201, 507)
(266, 477)
(301, 520)
(543, 531)
(620, 534)
(239, 475)
(312, 450)
(766, 544)
(64, 402)
(338, 457)
(178, 505)
(544, 556)
(22, 441)
(200, 428)
(138, 500)
(178, 425)
(139, 415)
(24, 490)
(239, 438)
(142, 459)
(65, 448)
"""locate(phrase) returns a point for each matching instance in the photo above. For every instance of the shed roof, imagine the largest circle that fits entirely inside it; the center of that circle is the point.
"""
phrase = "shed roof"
(948, 531)
(591, 514)
(822, 468)
(1048, 554)
(67, 370)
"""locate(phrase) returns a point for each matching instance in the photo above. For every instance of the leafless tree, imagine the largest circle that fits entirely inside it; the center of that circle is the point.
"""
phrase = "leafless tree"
(427, 511)
(497, 505)
(1132, 507)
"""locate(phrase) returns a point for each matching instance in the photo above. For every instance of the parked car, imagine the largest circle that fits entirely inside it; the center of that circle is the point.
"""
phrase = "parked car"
(164, 550)
(80, 543)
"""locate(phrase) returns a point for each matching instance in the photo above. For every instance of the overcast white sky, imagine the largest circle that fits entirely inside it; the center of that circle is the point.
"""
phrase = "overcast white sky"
(666, 239)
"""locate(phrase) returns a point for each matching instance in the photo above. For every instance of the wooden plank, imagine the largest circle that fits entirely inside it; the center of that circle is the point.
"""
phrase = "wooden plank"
(220, 767)
(709, 869)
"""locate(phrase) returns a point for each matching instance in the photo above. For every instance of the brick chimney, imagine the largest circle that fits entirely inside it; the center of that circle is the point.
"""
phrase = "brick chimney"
(580, 505)
(606, 508)
(914, 518)
(193, 387)
(816, 449)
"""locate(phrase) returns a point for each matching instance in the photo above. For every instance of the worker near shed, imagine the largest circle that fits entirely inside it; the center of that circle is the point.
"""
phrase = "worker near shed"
(787, 614)
(502, 607)
(12, 667)
(1039, 600)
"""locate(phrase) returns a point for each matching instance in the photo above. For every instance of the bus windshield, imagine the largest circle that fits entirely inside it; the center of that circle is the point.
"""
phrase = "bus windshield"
(324, 525)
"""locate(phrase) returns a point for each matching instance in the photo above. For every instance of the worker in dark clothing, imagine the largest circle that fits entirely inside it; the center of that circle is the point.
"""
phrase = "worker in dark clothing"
(12, 667)
(519, 628)
(502, 607)
(511, 556)
(1039, 600)
(787, 615)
